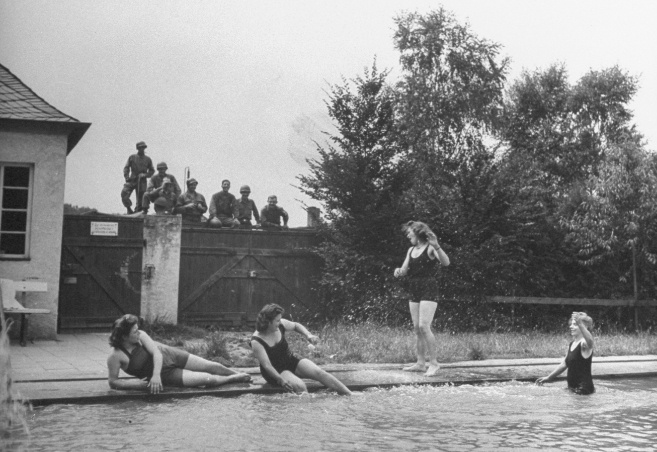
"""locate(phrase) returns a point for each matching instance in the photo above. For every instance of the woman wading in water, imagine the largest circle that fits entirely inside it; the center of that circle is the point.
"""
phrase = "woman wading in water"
(578, 357)
(420, 271)
(157, 364)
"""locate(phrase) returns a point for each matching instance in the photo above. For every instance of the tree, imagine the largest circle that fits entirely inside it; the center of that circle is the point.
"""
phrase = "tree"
(70, 209)
(556, 136)
(449, 99)
(615, 223)
(563, 130)
(359, 178)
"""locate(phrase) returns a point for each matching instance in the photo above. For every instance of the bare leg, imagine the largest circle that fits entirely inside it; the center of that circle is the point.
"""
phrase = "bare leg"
(192, 379)
(308, 369)
(420, 366)
(427, 310)
(298, 386)
(198, 364)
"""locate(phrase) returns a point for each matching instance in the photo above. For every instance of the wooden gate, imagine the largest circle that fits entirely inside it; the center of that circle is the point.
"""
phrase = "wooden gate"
(100, 271)
(226, 276)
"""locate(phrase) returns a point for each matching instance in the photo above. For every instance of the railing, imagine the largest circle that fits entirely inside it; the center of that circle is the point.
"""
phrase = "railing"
(619, 303)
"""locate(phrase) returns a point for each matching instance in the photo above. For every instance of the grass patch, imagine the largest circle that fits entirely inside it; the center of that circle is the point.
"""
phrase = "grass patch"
(374, 343)
(226, 347)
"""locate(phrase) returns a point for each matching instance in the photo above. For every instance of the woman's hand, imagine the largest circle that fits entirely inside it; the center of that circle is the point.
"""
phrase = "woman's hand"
(398, 273)
(577, 317)
(312, 338)
(286, 385)
(433, 240)
(155, 384)
(542, 380)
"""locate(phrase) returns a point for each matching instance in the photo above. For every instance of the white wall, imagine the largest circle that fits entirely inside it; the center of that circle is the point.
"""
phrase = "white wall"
(47, 151)
(159, 289)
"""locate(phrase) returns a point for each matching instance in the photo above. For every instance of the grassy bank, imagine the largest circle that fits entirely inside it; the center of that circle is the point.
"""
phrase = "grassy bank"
(371, 343)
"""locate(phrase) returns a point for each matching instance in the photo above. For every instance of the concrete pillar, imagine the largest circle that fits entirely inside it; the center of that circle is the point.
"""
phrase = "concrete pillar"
(161, 272)
(313, 217)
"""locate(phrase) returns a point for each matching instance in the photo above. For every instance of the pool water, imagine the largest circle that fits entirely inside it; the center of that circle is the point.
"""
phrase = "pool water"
(621, 415)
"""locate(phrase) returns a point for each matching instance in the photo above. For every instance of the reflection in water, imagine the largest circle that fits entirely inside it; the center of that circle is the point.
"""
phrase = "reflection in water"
(620, 416)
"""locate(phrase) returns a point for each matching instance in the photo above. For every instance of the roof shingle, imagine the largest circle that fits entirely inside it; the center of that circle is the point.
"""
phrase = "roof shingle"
(18, 101)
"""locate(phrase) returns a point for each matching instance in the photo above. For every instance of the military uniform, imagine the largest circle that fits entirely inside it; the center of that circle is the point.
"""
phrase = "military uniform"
(223, 209)
(137, 165)
(154, 183)
(195, 212)
(270, 217)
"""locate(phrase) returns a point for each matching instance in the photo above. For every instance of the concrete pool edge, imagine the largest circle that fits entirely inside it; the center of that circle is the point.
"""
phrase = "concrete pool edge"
(356, 377)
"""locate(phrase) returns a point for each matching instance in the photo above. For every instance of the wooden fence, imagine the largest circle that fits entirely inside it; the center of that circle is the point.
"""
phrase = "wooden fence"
(620, 303)
(227, 276)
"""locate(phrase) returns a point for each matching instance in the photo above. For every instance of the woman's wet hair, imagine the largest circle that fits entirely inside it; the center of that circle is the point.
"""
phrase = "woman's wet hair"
(421, 230)
(121, 329)
(266, 315)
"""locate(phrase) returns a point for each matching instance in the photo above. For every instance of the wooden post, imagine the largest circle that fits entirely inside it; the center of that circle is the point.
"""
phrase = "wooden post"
(313, 217)
(636, 290)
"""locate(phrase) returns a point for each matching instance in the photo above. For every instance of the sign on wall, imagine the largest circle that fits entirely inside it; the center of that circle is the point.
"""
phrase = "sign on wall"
(106, 228)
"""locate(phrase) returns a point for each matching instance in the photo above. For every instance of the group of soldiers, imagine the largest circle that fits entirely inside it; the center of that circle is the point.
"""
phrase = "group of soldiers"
(163, 191)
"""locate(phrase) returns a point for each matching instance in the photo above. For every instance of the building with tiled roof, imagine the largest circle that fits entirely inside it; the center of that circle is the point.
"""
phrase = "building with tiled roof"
(19, 103)
(35, 139)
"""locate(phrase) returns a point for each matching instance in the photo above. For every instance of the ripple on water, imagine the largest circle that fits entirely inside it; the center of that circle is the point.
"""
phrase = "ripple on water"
(620, 416)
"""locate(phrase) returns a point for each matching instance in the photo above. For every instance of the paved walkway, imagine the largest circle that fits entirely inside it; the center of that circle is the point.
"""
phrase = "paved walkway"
(73, 370)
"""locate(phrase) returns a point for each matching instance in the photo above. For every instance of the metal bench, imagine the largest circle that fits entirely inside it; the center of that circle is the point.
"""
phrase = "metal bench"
(10, 305)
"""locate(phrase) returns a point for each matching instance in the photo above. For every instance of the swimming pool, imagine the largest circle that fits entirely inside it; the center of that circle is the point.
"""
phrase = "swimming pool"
(621, 415)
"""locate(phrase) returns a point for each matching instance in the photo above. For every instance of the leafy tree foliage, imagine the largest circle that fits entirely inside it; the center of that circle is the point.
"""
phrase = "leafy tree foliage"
(510, 178)
(562, 129)
(359, 177)
(556, 136)
(617, 217)
(70, 209)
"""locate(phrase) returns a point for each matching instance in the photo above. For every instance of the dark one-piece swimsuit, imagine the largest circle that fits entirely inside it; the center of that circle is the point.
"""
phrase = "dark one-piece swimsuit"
(579, 376)
(140, 363)
(280, 356)
(422, 277)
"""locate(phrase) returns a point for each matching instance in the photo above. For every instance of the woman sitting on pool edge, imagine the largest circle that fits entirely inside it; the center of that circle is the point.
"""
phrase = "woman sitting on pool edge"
(157, 364)
(578, 357)
(278, 365)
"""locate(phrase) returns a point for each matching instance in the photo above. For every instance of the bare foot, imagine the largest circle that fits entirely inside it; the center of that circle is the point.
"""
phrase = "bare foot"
(433, 371)
(417, 367)
(241, 377)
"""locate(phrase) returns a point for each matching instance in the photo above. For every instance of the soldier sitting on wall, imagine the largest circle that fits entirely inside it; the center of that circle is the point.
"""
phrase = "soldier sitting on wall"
(223, 208)
(271, 214)
(191, 204)
(155, 185)
(164, 198)
(246, 208)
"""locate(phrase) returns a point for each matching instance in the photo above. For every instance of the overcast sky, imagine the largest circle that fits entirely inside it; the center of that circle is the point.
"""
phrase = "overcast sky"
(235, 90)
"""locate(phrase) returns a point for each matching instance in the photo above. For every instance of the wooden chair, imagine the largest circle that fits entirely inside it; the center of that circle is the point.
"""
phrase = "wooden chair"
(10, 305)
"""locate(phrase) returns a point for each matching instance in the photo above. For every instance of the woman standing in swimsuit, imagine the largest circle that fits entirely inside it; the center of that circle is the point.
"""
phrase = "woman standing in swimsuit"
(278, 365)
(420, 269)
(156, 364)
(578, 357)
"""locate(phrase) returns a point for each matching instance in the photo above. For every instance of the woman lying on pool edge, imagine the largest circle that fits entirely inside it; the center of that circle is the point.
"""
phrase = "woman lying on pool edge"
(156, 364)
(278, 365)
